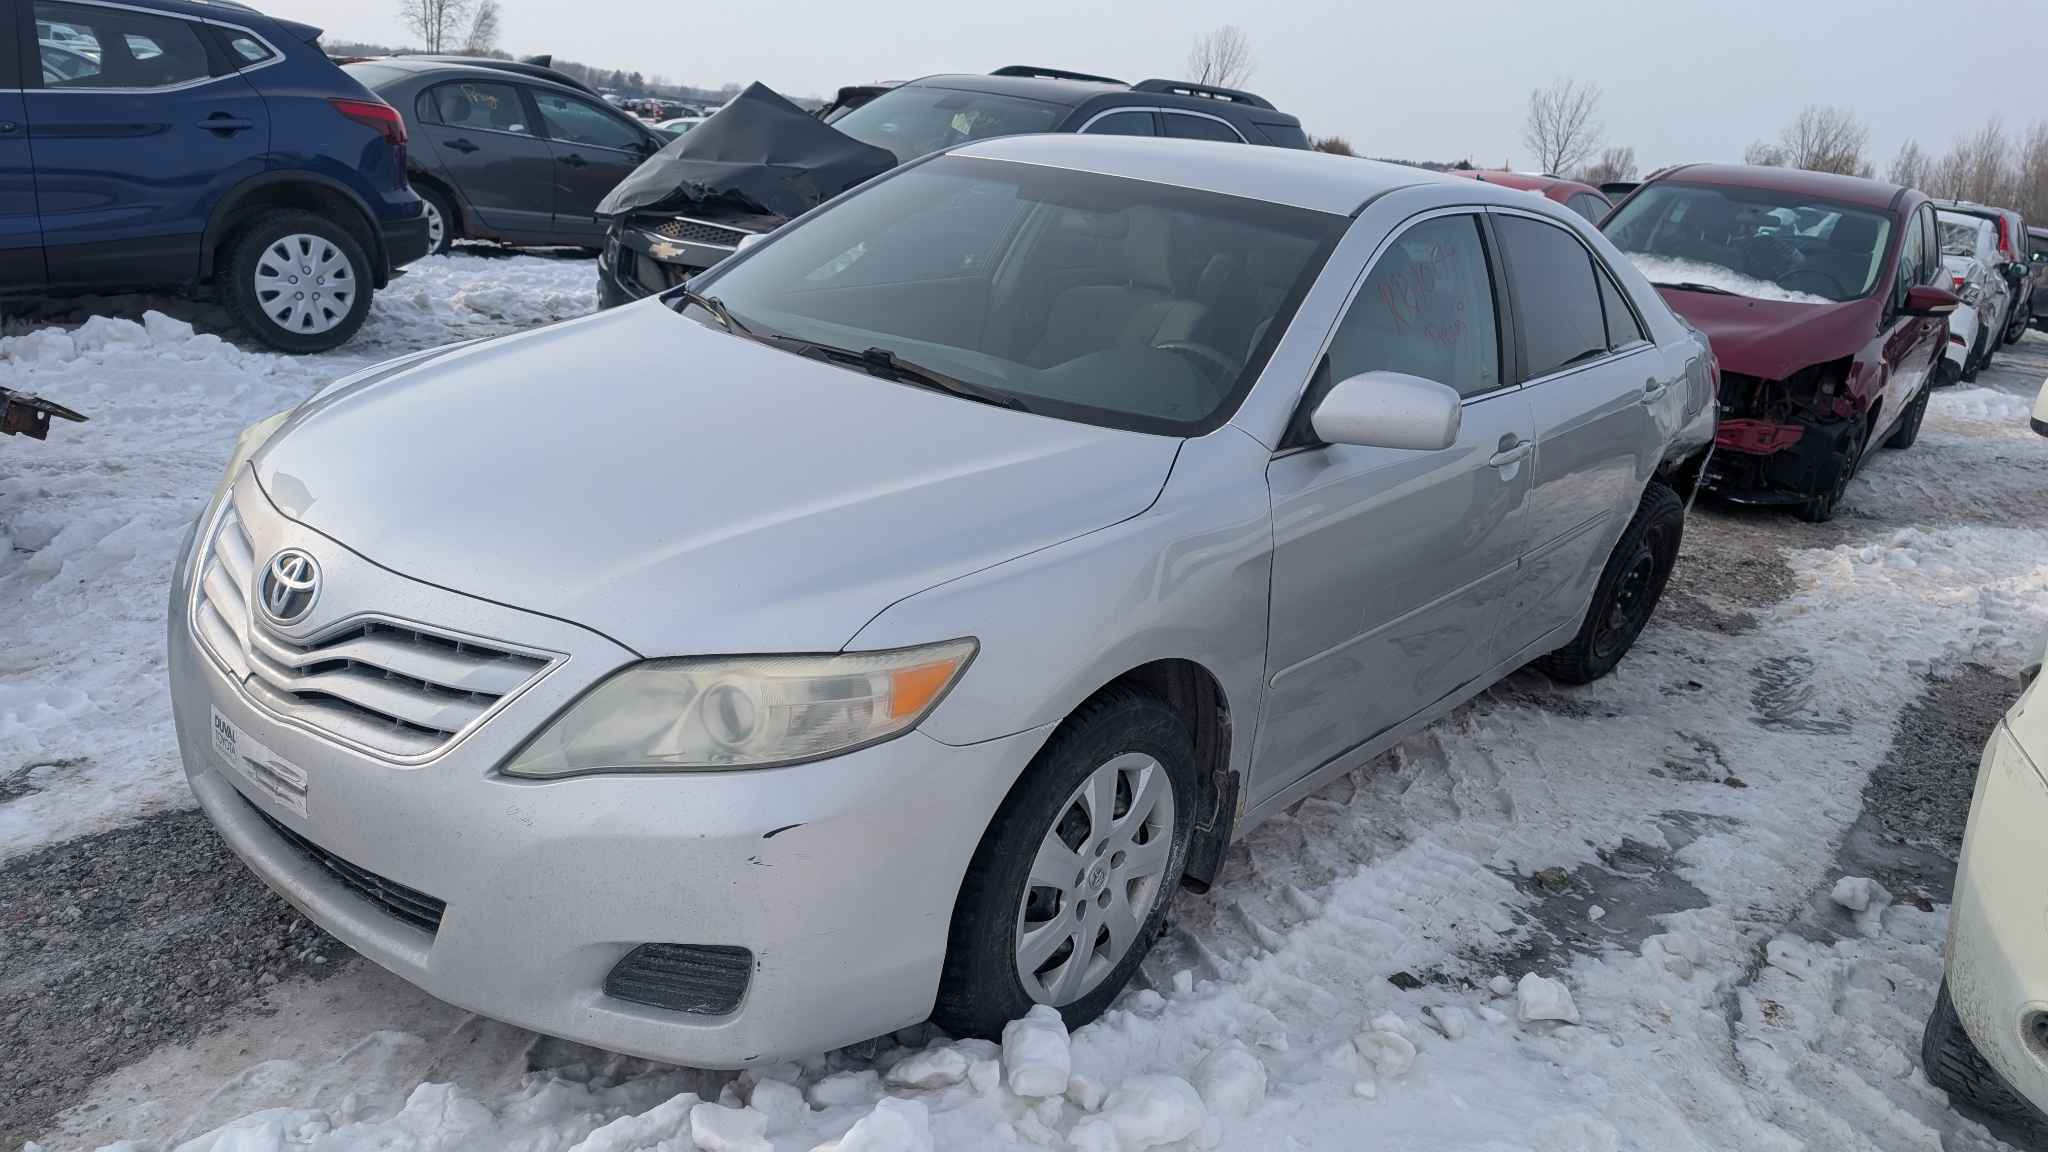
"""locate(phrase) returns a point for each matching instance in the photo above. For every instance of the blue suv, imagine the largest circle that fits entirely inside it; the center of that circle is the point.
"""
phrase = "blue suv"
(198, 145)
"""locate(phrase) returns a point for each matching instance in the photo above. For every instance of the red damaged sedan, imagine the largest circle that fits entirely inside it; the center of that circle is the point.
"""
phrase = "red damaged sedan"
(1820, 296)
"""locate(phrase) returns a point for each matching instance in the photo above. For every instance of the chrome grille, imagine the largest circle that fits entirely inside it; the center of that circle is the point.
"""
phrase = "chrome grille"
(699, 232)
(386, 686)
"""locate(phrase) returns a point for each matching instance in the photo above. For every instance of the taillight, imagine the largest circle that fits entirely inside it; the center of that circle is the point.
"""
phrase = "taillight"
(1956, 284)
(374, 114)
(2005, 239)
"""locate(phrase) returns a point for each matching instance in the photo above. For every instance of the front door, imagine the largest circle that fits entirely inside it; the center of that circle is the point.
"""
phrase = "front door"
(1911, 342)
(1595, 386)
(21, 238)
(138, 124)
(594, 148)
(484, 136)
(1390, 566)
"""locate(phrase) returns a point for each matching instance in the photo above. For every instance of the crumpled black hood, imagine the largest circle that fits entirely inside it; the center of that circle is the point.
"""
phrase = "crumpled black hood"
(758, 154)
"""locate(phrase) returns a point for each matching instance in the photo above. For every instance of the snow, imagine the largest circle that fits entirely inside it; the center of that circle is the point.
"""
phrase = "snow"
(1672, 270)
(1035, 1053)
(1538, 998)
(1689, 1016)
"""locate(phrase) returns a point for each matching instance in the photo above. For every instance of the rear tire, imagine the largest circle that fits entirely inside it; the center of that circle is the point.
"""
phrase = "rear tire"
(1908, 429)
(1627, 594)
(1953, 1064)
(443, 225)
(266, 312)
(1018, 877)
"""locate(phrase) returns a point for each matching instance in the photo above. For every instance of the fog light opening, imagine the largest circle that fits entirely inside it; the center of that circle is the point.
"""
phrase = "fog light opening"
(700, 979)
(2035, 1027)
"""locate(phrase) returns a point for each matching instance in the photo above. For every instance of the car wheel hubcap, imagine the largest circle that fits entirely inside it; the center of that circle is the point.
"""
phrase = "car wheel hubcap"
(304, 284)
(437, 229)
(1099, 871)
(1632, 599)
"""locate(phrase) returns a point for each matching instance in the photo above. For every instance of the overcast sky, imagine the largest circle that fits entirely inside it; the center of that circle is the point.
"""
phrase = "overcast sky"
(1682, 79)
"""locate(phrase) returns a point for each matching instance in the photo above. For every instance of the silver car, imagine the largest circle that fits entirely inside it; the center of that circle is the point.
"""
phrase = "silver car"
(885, 627)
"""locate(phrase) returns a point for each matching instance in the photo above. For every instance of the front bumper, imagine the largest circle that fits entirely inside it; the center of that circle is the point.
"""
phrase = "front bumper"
(1761, 462)
(1998, 925)
(839, 876)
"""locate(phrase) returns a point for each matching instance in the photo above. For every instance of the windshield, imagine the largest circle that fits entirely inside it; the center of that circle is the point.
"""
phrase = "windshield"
(1958, 234)
(1088, 297)
(1752, 242)
(918, 119)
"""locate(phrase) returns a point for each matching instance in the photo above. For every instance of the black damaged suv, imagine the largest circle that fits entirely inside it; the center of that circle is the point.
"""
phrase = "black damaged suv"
(695, 204)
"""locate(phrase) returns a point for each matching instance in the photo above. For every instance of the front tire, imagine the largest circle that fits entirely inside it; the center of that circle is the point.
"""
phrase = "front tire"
(1953, 1064)
(1072, 881)
(1821, 506)
(442, 225)
(298, 281)
(1908, 429)
(1628, 591)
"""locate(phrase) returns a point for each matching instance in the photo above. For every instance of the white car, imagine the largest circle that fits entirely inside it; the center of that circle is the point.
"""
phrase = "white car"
(1987, 1042)
(1969, 255)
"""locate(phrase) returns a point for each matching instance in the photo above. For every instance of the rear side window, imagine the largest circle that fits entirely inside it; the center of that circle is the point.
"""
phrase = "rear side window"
(484, 106)
(1588, 205)
(1285, 135)
(247, 49)
(1183, 126)
(1123, 124)
(1623, 329)
(1557, 302)
(1426, 308)
(117, 48)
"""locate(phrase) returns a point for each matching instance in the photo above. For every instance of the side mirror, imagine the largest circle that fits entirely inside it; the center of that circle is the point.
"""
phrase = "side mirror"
(1928, 300)
(2039, 420)
(1389, 410)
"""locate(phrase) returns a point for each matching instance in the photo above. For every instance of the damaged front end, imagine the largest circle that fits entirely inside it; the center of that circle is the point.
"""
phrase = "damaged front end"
(649, 253)
(1779, 441)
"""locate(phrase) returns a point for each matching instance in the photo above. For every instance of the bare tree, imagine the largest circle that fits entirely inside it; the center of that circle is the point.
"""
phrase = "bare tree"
(1222, 58)
(1764, 154)
(436, 22)
(1819, 139)
(1560, 130)
(1613, 164)
(483, 29)
(1988, 177)
(1335, 145)
(2030, 191)
(1911, 167)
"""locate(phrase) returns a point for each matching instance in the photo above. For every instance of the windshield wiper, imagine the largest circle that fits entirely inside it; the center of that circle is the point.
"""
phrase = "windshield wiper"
(1693, 286)
(888, 365)
(716, 307)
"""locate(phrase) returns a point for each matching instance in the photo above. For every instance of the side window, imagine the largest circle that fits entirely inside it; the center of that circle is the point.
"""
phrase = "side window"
(1426, 308)
(1623, 329)
(1124, 124)
(1930, 245)
(1592, 207)
(248, 51)
(1182, 126)
(1912, 257)
(1557, 303)
(118, 48)
(581, 122)
(483, 106)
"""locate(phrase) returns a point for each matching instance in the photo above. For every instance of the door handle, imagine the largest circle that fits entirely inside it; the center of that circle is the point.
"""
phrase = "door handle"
(1653, 391)
(461, 144)
(1512, 451)
(226, 125)
(574, 161)
(9, 127)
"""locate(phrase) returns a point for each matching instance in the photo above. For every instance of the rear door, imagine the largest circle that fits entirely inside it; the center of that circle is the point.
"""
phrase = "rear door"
(21, 238)
(594, 148)
(139, 123)
(1390, 566)
(1594, 382)
(485, 136)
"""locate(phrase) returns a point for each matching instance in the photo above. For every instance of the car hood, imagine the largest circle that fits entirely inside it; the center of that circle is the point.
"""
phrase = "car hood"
(759, 155)
(1772, 339)
(682, 490)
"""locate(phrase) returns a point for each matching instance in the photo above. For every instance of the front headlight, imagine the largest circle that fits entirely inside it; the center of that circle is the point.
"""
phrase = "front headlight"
(712, 714)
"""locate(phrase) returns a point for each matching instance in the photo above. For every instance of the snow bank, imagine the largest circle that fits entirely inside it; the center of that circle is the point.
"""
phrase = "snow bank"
(1671, 270)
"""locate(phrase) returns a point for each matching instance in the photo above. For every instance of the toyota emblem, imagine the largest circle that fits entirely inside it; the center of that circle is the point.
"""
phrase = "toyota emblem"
(291, 582)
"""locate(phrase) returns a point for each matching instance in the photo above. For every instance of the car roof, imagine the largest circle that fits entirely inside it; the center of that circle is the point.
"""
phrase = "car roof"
(1052, 90)
(1972, 208)
(1852, 190)
(1526, 181)
(437, 69)
(1297, 176)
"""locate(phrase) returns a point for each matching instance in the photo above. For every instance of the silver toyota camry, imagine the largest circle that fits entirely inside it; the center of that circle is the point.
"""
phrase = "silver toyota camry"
(885, 626)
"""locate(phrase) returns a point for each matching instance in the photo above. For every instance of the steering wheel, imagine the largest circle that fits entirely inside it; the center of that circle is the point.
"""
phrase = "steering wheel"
(1834, 289)
(1770, 257)
(1194, 350)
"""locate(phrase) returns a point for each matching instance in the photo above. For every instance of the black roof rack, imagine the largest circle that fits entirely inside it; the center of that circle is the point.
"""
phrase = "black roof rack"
(1203, 92)
(1052, 74)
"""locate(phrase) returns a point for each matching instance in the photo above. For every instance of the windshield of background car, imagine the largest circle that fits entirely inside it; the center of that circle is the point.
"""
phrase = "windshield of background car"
(1752, 242)
(1094, 298)
(1958, 234)
(919, 119)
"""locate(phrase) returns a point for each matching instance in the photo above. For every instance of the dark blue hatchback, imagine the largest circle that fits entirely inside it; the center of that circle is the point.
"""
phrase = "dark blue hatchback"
(202, 146)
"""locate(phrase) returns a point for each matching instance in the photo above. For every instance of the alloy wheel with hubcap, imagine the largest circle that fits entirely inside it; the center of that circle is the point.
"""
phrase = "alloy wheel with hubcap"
(305, 284)
(437, 226)
(1098, 871)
